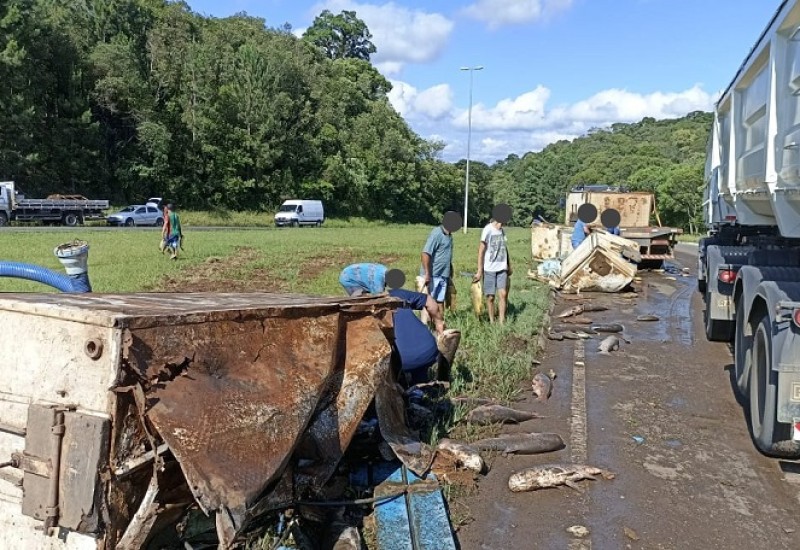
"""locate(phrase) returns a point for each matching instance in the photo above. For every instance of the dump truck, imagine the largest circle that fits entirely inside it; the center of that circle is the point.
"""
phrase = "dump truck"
(60, 209)
(656, 243)
(749, 263)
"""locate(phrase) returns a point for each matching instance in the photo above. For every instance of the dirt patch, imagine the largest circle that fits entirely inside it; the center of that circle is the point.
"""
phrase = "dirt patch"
(217, 274)
(315, 266)
(388, 260)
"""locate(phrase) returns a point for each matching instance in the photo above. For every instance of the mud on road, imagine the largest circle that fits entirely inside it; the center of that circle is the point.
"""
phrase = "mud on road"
(660, 413)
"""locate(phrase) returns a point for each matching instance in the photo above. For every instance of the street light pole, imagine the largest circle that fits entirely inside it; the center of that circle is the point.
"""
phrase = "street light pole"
(469, 141)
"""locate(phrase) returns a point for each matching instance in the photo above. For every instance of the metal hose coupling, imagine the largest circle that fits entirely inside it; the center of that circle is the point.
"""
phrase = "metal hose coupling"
(74, 257)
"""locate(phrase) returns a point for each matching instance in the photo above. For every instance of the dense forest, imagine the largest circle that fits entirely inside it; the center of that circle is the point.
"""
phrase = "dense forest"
(125, 99)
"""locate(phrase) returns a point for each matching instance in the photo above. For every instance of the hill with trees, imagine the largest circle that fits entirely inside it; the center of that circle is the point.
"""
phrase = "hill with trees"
(125, 99)
(666, 157)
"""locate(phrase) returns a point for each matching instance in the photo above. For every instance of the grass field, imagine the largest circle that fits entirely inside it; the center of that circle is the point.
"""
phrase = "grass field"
(492, 359)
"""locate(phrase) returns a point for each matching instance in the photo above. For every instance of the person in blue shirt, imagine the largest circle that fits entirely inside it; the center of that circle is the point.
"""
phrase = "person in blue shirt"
(613, 230)
(579, 233)
(414, 343)
(363, 278)
(437, 264)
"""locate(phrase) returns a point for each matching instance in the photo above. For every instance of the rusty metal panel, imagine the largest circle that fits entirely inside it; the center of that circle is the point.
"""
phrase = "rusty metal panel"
(365, 360)
(84, 451)
(37, 445)
(235, 414)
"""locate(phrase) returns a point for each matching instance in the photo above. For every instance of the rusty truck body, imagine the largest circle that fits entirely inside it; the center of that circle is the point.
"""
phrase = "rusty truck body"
(656, 243)
(123, 415)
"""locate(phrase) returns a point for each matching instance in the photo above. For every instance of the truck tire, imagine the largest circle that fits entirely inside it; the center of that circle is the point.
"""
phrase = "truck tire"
(717, 330)
(295, 223)
(71, 219)
(766, 429)
(742, 349)
(3, 219)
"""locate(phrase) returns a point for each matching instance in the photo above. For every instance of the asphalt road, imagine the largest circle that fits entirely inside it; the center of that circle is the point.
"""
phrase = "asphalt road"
(662, 415)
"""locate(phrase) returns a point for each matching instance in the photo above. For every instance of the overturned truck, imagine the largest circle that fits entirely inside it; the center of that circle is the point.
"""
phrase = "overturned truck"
(123, 418)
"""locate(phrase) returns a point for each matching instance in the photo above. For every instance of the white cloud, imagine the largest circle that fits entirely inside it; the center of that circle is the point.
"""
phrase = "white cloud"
(432, 104)
(526, 123)
(500, 13)
(400, 35)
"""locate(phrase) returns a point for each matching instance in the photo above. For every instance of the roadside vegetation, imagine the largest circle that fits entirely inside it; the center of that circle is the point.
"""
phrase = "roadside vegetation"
(229, 114)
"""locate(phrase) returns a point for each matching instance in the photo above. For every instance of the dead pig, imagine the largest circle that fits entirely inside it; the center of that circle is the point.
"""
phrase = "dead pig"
(465, 455)
(542, 386)
(521, 443)
(498, 414)
(609, 327)
(553, 475)
(608, 345)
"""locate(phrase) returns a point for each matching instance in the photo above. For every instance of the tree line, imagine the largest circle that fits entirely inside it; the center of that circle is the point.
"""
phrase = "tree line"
(126, 99)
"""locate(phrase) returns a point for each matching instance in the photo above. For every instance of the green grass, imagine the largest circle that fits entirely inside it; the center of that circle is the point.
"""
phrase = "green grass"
(492, 360)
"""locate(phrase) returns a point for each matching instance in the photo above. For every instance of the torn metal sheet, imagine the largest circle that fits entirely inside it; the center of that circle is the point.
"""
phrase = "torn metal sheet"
(417, 456)
(233, 418)
(235, 400)
(352, 388)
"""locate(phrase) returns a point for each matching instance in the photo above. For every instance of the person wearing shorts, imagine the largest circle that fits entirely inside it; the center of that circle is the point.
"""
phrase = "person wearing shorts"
(494, 267)
(437, 264)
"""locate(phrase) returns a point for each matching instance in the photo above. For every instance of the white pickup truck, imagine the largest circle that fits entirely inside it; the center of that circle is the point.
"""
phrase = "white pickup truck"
(65, 211)
(749, 265)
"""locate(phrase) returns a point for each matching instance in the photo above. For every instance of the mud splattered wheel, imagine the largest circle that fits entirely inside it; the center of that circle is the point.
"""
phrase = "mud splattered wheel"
(742, 350)
(766, 429)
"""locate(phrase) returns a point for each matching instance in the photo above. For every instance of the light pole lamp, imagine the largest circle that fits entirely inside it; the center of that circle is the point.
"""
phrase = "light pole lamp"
(469, 140)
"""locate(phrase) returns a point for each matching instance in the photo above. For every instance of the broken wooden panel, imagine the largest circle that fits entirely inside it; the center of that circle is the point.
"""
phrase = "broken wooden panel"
(598, 265)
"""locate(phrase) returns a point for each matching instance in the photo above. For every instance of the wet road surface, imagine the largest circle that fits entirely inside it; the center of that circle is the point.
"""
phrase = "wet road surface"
(662, 415)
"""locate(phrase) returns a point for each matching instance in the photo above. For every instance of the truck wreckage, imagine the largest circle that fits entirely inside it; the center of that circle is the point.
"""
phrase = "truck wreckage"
(127, 419)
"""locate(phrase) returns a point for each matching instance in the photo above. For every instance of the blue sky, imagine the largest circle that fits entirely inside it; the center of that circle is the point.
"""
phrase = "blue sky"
(553, 69)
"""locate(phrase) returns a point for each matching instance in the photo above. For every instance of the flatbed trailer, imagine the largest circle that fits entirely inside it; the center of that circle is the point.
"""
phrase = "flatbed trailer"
(69, 212)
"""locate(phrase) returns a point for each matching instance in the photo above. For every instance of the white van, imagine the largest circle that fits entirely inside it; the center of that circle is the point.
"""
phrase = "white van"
(300, 212)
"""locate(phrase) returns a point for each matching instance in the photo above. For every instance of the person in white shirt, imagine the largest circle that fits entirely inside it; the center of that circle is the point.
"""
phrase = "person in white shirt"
(494, 267)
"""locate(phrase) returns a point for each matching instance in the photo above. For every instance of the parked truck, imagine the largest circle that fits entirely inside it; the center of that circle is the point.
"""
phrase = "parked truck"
(66, 210)
(749, 264)
(656, 243)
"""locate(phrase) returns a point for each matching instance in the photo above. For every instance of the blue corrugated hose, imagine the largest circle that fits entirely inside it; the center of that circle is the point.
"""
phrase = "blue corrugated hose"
(64, 283)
